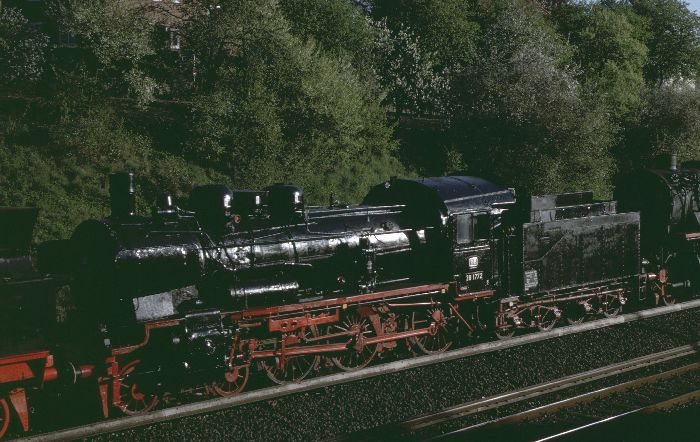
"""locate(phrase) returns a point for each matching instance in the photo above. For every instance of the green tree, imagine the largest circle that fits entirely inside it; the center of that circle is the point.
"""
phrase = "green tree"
(22, 51)
(674, 39)
(669, 124)
(273, 108)
(407, 72)
(522, 117)
(338, 26)
(117, 40)
(447, 28)
(611, 52)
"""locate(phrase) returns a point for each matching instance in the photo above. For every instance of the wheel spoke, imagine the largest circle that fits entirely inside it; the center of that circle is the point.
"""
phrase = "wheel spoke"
(226, 388)
(611, 306)
(351, 359)
(430, 343)
(575, 313)
(295, 368)
(133, 400)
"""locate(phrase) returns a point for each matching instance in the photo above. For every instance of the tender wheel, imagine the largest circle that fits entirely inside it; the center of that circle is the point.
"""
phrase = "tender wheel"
(545, 317)
(4, 417)
(134, 397)
(610, 306)
(664, 295)
(661, 289)
(432, 343)
(296, 368)
(504, 333)
(353, 359)
(575, 314)
(668, 299)
(573, 320)
(232, 382)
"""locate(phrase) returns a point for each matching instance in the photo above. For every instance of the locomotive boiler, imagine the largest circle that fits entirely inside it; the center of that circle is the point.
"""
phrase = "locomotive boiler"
(236, 250)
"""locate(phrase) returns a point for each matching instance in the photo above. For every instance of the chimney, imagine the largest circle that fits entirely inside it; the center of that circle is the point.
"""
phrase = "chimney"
(122, 193)
(673, 162)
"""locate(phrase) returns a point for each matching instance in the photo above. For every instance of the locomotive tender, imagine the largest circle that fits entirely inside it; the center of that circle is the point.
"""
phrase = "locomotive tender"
(255, 281)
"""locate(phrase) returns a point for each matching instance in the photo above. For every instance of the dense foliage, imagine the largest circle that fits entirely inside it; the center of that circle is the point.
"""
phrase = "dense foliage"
(337, 95)
(21, 50)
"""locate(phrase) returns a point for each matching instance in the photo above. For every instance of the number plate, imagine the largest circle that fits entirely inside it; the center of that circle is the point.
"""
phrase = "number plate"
(476, 276)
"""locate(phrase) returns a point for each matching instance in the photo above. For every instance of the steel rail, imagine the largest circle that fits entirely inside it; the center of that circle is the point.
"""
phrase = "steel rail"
(666, 404)
(214, 405)
(557, 385)
(579, 399)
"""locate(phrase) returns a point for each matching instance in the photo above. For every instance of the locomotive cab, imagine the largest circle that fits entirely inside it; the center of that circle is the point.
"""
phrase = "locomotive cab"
(473, 245)
(461, 216)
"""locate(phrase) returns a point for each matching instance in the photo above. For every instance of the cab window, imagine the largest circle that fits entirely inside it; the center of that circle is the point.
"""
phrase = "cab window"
(464, 226)
(482, 226)
(471, 227)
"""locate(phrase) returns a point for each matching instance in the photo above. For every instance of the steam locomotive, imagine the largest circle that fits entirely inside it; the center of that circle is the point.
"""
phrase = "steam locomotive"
(248, 282)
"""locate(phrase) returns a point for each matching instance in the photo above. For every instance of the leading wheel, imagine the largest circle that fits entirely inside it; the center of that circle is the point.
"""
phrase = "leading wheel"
(135, 396)
(295, 368)
(436, 342)
(232, 382)
(352, 359)
(4, 417)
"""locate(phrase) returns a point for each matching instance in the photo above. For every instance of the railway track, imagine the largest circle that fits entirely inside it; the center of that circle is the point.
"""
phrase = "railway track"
(211, 406)
(418, 427)
(612, 423)
(597, 410)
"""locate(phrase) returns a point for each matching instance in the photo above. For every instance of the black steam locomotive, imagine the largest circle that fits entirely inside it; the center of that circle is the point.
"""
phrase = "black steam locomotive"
(256, 281)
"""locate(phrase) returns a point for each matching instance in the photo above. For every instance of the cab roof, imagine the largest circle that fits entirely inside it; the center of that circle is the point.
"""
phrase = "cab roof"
(451, 194)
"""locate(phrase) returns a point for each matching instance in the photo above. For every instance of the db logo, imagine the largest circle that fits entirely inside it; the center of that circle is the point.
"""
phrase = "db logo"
(473, 262)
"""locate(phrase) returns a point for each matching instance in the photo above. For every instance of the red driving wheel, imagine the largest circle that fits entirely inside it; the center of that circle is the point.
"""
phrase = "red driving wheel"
(134, 397)
(4, 417)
